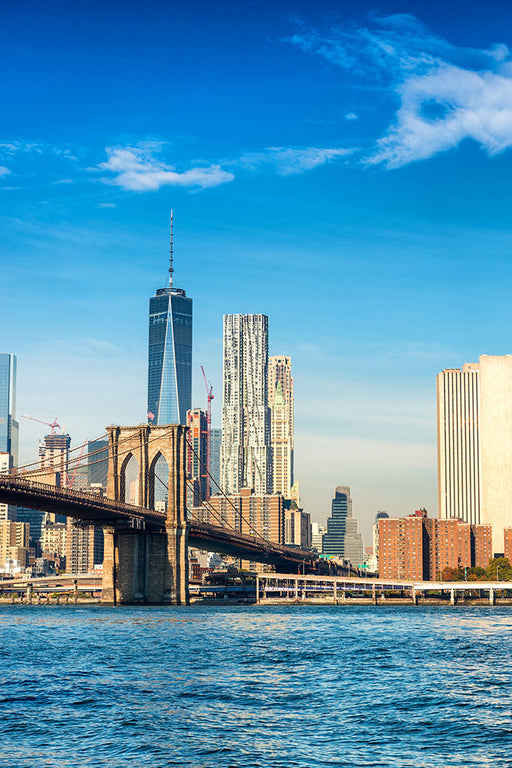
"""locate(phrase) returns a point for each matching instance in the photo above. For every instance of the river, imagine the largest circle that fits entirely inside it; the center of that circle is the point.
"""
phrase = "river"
(246, 686)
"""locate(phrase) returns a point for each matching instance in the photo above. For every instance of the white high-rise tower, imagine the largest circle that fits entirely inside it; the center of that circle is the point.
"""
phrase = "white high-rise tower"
(280, 396)
(246, 455)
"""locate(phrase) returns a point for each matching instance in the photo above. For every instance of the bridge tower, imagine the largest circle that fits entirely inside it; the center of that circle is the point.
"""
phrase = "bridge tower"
(144, 566)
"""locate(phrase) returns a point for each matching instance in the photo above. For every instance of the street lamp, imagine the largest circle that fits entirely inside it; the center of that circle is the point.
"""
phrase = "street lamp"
(497, 571)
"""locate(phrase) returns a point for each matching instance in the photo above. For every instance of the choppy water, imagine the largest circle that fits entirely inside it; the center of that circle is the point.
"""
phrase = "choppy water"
(255, 686)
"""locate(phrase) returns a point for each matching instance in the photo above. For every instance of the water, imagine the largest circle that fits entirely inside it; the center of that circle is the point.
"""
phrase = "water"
(278, 687)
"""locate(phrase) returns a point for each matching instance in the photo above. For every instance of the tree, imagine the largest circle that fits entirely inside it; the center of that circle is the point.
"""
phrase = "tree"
(499, 569)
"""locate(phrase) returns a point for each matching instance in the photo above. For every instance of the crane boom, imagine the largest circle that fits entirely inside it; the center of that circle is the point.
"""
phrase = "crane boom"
(52, 425)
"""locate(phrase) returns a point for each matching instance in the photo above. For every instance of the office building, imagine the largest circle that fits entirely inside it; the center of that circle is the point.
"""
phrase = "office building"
(317, 534)
(8, 424)
(215, 441)
(7, 511)
(280, 398)
(342, 538)
(246, 455)
(198, 482)
(54, 460)
(170, 353)
(475, 444)
(297, 528)
(247, 512)
(84, 547)
(36, 520)
(14, 542)
(97, 462)
(54, 540)
(458, 443)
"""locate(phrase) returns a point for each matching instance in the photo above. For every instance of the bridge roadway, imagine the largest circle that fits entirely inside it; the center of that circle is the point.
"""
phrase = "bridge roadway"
(98, 510)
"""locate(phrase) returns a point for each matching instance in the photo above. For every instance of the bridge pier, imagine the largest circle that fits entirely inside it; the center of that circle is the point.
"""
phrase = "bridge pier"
(148, 566)
(145, 568)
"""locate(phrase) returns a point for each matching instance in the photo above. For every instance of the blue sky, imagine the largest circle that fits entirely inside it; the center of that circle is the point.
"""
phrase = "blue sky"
(343, 167)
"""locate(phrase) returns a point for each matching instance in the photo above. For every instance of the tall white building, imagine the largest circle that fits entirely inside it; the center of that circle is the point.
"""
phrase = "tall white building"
(280, 397)
(246, 455)
(475, 444)
(458, 443)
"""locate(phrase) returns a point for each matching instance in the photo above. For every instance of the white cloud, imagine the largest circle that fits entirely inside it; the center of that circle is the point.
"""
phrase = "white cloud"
(136, 169)
(446, 93)
(351, 116)
(290, 160)
(473, 105)
(4, 171)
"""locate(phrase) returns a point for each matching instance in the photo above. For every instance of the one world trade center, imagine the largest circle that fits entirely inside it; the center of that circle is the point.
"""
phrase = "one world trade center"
(169, 353)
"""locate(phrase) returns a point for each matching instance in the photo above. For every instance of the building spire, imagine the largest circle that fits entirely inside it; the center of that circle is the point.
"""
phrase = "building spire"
(171, 268)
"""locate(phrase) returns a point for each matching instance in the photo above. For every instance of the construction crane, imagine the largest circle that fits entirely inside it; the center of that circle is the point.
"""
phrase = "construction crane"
(52, 426)
(209, 397)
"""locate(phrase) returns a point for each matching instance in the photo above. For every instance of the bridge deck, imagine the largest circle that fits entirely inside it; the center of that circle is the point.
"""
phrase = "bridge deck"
(105, 512)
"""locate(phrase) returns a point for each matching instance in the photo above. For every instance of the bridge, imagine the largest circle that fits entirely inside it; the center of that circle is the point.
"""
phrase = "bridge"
(146, 551)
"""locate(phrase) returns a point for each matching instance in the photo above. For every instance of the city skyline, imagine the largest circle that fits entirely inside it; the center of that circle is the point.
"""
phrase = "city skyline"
(330, 175)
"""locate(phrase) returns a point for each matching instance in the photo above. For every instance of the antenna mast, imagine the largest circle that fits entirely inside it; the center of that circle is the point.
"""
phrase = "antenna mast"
(171, 268)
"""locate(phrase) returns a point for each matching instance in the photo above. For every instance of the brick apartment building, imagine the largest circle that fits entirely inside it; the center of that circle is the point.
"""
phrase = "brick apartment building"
(416, 547)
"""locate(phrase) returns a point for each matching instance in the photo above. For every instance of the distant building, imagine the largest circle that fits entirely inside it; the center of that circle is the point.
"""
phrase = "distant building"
(342, 538)
(215, 441)
(246, 512)
(36, 520)
(14, 542)
(7, 511)
(297, 528)
(54, 539)
(54, 460)
(280, 398)
(416, 547)
(84, 547)
(508, 543)
(317, 534)
(256, 515)
(246, 454)
(475, 444)
(169, 353)
(8, 425)
(97, 462)
(198, 482)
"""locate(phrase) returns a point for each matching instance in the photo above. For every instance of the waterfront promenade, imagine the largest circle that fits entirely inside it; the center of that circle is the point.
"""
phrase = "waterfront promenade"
(284, 588)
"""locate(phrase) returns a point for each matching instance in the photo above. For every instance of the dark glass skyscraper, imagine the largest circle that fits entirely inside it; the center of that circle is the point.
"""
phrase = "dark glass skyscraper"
(170, 354)
(343, 538)
(8, 423)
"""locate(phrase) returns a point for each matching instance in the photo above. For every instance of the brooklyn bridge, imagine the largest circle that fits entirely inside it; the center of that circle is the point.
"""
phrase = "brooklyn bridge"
(146, 551)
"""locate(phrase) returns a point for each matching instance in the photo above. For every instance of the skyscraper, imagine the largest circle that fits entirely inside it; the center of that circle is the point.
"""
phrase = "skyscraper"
(246, 455)
(342, 537)
(8, 423)
(458, 443)
(198, 484)
(474, 439)
(215, 443)
(170, 353)
(280, 397)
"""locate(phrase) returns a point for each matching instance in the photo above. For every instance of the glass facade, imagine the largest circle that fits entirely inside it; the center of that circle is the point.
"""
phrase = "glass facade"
(342, 538)
(8, 423)
(170, 356)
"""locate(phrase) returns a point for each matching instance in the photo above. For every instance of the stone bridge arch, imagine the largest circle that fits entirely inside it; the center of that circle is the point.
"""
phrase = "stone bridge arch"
(143, 566)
